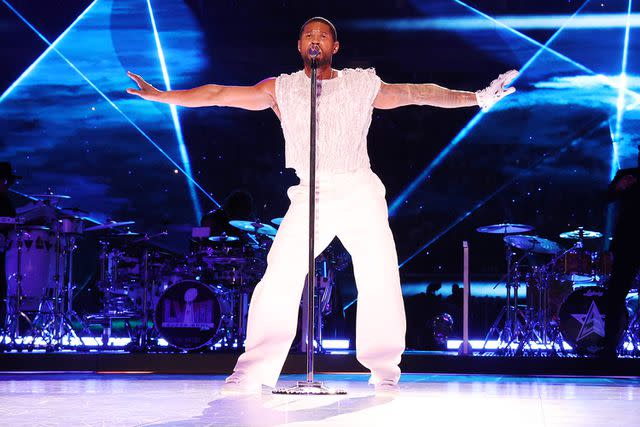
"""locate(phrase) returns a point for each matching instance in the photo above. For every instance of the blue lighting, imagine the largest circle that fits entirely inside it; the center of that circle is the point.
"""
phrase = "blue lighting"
(465, 131)
(623, 80)
(397, 203)
(109, 101)
(491, 196)
(47, 50)
(176, 121)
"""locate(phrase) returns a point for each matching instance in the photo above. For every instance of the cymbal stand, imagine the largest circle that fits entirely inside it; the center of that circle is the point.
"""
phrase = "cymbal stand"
(14, 305)
(56, 314)
(144, 340)
(506, 335)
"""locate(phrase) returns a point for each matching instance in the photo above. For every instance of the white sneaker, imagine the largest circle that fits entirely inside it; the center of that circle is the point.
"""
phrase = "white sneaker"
(239, 383)
(387, 388)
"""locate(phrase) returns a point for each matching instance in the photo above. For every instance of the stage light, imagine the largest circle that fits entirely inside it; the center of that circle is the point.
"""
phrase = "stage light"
(184, 155)
(47, 50)
(106, 98)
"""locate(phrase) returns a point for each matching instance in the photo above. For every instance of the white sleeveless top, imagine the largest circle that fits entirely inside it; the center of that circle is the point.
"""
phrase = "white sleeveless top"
(344, 108)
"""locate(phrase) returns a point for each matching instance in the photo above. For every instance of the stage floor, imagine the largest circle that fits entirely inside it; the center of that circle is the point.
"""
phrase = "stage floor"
(72, 399)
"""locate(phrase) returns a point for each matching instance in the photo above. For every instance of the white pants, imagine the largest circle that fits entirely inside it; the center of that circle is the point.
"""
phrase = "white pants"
(351, 206)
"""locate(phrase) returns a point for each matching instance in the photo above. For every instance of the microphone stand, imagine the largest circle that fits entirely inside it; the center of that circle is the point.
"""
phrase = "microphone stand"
(311, 387)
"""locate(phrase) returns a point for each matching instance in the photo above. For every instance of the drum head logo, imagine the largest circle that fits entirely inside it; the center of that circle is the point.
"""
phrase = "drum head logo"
(592, 322)
(188, 313)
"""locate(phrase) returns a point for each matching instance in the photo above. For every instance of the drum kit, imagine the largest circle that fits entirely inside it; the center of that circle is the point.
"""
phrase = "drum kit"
(565, 291)
(192, 302)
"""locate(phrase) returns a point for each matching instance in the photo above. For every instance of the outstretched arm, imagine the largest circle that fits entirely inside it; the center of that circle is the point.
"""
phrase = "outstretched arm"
(398, 95)
(258, 97)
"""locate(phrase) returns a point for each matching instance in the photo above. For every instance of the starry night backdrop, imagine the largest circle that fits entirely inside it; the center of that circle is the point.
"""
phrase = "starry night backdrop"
(541, 157)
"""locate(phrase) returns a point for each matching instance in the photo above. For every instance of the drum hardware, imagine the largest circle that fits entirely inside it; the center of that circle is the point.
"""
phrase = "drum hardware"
(632, 332)
(14, 310)
(55, 317)
(512, 327)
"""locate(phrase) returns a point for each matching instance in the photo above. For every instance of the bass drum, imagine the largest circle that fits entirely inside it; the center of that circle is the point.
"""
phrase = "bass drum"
(582, 319)
(190, 314)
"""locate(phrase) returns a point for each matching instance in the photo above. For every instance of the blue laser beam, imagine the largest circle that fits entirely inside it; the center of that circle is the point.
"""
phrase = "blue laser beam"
(605, 80)
(620, 110)
(106, 98)
(26, 72)
(404, 195)
(623, 78)
(184, 155)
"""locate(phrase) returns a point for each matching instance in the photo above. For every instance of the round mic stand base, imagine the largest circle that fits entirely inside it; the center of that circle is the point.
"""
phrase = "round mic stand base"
(308, 388)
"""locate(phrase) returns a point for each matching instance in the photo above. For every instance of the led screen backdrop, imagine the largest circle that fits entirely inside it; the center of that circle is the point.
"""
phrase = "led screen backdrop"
(542, 157)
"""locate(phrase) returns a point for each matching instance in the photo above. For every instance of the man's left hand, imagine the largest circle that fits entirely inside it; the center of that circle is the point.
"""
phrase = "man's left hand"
(496, 90)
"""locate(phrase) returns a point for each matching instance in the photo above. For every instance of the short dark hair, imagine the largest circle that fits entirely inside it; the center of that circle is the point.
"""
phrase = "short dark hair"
(334, 33)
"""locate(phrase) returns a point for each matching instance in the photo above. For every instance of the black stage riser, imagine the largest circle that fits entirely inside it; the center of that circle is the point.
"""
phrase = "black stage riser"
(223, 363)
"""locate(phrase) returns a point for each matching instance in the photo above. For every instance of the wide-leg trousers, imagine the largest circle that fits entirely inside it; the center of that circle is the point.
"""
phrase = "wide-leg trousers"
(351, 206)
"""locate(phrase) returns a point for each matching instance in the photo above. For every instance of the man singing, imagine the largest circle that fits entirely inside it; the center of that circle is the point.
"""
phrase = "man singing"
(350, 201)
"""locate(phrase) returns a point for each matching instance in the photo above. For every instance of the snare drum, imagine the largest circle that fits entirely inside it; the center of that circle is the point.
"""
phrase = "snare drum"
(190, 314)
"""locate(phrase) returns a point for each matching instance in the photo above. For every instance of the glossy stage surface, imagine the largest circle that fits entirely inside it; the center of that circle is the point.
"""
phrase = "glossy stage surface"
(424, 400)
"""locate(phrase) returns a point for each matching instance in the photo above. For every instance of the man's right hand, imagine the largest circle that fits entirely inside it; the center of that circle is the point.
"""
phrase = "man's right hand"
(145, 91)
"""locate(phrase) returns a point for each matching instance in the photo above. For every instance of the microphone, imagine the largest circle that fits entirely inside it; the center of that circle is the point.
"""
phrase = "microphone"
(314, 51)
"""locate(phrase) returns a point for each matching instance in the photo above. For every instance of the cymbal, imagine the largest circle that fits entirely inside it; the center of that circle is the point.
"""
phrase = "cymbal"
(580, 234)
(533, 244)
(223, 238)
(276, 221)
(127, 233)
(505, 228)
(254, 227)
(109, 225)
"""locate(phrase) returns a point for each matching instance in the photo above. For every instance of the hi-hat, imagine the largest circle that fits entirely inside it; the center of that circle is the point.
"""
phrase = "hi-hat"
(533, 244)
(254, 227)
(580, 234)
(505, 228)
(127, 233)
(223, 238)
(109, 225)
(276, 221)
